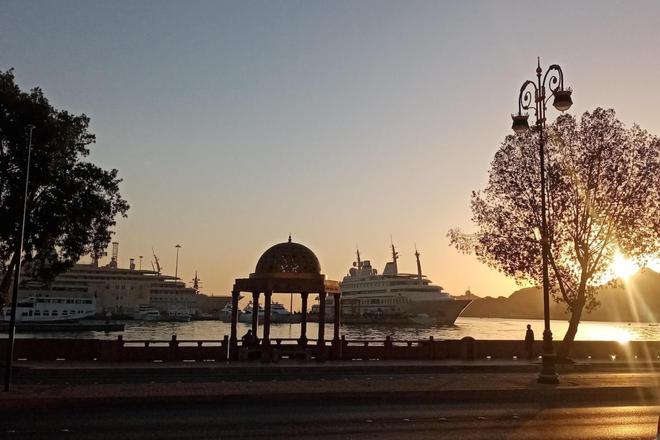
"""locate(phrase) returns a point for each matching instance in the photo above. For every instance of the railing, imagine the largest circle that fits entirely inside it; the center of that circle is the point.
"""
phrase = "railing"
(175, 350)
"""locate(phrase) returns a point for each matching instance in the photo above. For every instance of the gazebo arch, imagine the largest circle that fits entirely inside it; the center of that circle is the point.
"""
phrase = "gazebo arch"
(286, 268)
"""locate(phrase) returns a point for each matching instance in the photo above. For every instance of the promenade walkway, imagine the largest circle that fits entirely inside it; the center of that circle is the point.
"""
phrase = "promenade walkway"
(43, 384)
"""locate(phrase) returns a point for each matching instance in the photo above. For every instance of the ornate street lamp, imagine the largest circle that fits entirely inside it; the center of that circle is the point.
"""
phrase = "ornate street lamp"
(17, 272)
(562, 102)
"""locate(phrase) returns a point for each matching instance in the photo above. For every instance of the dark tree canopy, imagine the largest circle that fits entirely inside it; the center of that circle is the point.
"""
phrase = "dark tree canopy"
(603, 199)
(72, 204)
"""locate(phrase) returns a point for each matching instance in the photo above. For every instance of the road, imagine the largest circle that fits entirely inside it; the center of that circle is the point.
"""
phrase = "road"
(267, 420)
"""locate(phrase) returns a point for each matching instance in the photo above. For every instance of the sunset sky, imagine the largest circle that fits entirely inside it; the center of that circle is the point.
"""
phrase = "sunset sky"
(235, 123)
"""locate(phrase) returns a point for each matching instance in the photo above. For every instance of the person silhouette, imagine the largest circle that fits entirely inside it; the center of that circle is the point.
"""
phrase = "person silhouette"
(529, 342)
(248, 339)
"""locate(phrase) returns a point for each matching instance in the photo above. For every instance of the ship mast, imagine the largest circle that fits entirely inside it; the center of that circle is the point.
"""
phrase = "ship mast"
(196, 281)
(158, 268)
(419, 265)
(359, 262)
(395, 256)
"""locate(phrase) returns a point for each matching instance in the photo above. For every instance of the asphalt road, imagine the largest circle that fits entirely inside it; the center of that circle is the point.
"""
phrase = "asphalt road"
(320, 420)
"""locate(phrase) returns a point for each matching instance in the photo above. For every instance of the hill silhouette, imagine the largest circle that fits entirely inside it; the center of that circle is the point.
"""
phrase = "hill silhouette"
(636, 300)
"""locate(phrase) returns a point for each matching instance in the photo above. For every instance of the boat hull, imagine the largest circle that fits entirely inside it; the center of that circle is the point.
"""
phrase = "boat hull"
(416, 313)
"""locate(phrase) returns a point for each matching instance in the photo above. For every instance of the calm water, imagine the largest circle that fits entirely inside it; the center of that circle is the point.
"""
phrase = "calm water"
(478, 328)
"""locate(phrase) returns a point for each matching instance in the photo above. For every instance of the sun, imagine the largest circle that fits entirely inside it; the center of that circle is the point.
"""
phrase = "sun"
(623, 267)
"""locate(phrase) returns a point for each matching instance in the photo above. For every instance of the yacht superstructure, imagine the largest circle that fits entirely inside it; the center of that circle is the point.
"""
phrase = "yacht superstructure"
(393, 297)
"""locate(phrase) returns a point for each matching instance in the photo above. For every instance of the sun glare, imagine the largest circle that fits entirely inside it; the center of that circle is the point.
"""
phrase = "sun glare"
(623, 267)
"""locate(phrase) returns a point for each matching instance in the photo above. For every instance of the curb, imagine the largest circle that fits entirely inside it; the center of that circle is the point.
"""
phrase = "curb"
(547, 395)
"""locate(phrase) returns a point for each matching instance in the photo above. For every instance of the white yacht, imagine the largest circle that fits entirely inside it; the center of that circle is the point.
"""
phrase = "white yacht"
(146, 313)
(393, 297)
(278, 314)
(51, 308)
(246, 314)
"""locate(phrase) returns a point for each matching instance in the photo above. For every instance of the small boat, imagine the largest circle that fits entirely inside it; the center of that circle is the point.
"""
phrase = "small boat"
(279, 314)
(176, 316)
(146, 313)
(246, 314)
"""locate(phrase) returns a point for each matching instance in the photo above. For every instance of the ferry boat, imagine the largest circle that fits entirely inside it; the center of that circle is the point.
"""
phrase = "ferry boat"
(393, 297)
(46, 308)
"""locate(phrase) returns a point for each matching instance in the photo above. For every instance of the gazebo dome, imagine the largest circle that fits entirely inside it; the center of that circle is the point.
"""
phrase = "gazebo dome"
(288, 257)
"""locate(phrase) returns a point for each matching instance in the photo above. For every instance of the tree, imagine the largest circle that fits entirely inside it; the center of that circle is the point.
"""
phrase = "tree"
(603, 198)
(72, 204)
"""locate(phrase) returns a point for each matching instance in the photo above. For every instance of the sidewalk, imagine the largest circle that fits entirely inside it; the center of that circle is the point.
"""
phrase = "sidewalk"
(337, 381)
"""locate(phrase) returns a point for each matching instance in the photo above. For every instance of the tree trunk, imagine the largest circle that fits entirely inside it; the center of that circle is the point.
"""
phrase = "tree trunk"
(5, 284)
(576, 314)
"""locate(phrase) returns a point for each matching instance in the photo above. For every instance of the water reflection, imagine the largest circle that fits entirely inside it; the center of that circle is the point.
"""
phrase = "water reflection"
(478, 328)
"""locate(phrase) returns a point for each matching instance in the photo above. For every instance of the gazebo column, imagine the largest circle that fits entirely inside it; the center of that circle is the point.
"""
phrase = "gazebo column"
(255, 313)
(337, 300)
(233, 339)
(321, 339)
(303, 319)
(267, 297)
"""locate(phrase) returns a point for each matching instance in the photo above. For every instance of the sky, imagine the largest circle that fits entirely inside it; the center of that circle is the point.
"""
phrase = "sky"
(233, 124)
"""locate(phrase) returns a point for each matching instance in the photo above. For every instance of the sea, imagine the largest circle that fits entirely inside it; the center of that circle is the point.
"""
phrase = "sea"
(478, 328)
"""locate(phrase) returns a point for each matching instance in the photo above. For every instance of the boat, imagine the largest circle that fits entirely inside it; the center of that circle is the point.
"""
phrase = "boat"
(176, 316)
(146, 313)
(246, 314)
(46, 308)
(280, 315)
(394, 298)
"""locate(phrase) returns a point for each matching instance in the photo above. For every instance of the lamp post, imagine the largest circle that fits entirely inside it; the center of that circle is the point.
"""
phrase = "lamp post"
(17, 271)
(176, 266)
(536, 101)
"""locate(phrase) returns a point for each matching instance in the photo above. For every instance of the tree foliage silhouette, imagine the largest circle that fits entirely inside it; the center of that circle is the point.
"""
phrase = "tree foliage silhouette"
(72, 204)
(603, 189)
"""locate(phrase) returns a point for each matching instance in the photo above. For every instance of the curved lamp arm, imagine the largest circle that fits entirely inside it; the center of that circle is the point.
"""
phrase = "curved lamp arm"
(556, 76)
(526, 98)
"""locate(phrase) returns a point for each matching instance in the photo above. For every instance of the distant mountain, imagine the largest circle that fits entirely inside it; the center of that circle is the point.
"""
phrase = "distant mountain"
(638, 300)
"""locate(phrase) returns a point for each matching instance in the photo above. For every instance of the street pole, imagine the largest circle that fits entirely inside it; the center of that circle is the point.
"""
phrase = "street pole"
(17, 269)
(562, 102)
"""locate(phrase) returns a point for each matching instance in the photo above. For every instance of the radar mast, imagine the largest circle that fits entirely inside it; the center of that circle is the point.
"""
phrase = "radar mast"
(395, 256)
(419, 265)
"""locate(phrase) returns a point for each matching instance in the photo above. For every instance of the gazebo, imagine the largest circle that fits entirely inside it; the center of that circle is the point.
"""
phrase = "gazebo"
(286, 268)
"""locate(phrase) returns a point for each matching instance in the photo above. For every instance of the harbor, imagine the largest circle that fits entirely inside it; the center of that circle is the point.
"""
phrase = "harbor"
(478, 328)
